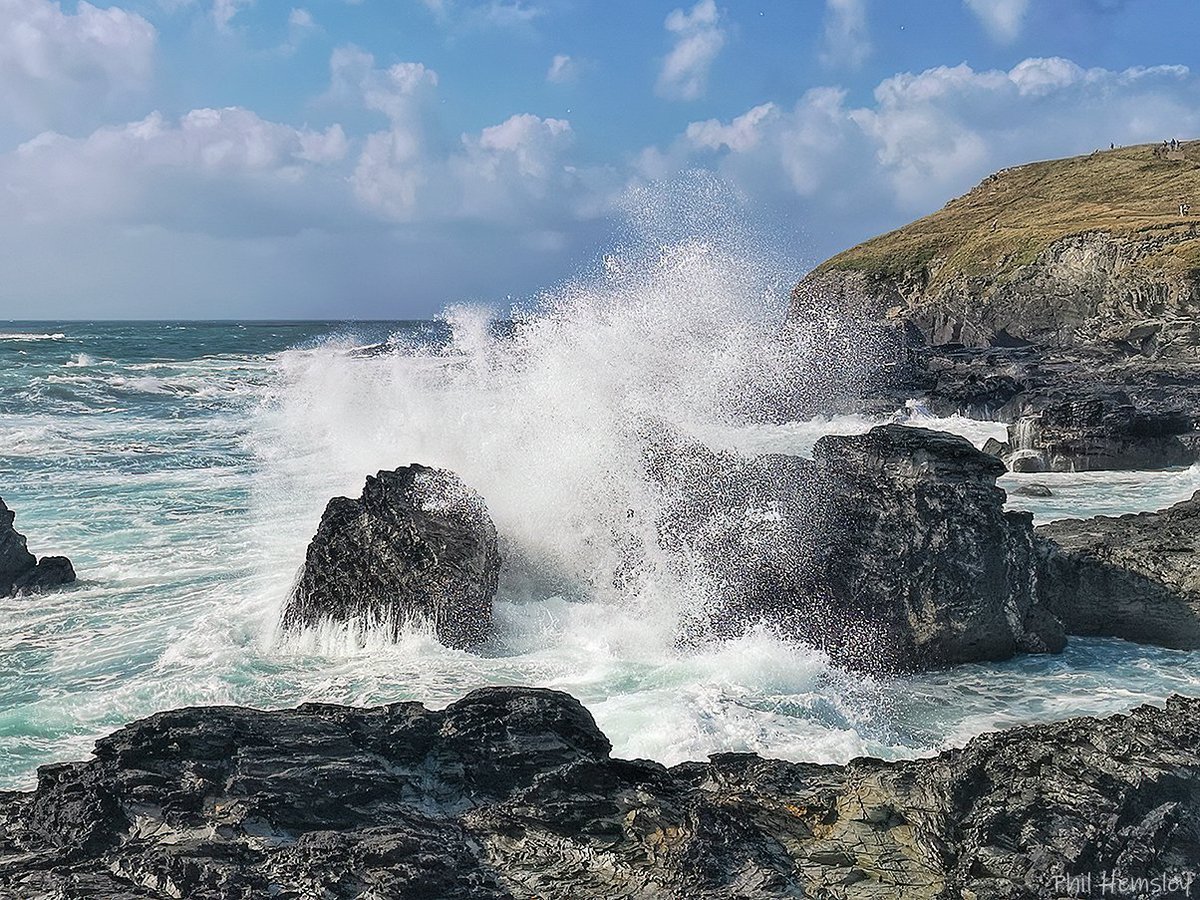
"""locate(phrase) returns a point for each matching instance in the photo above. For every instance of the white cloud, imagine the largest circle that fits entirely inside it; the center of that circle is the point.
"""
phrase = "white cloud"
(1003, 19)
(740, 135)
(300, 18)
(562, 69)
(845, 39)
(223, 11)
(931, 135)
(56, 65)
(219, 169)
(698, 38)
(511, 14)
(411, 172)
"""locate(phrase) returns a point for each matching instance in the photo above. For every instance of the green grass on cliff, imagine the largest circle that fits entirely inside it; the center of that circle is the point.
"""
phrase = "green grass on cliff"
(1012, 216)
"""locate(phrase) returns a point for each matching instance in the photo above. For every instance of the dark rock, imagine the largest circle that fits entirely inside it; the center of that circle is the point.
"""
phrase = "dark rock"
(1135, 577)
(1033, 489)
(1096, 430)
(998, 449)
(891, 550)
(20, 571)
(511, 793)
(418, 545)
(918, 555)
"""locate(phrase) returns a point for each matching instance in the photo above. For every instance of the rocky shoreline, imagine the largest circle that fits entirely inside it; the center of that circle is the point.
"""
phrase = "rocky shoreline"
(512, 793)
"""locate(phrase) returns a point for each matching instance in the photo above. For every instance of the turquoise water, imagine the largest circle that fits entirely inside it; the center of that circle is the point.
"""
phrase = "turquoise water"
(184, 466)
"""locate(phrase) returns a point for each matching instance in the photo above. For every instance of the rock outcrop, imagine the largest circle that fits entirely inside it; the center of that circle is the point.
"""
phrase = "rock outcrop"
(417, 546)
(918, 564)
(511, 794)
(1065, 290)
(1135, 577)
(20, 571)
(890, 550)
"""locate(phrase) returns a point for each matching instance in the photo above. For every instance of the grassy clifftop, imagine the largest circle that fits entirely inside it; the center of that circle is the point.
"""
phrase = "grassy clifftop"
(1011, 217)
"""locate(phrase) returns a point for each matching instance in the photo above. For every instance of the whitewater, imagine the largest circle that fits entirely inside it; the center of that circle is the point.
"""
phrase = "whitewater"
(184, 466)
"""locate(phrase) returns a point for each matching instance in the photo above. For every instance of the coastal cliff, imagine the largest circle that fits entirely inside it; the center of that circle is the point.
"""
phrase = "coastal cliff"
(1062, 297)
(1091, 250)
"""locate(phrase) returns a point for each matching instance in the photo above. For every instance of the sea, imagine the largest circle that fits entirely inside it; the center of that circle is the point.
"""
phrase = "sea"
(184, 466)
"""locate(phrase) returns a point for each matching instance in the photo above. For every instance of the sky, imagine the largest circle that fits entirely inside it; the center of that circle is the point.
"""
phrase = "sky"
(386, 158)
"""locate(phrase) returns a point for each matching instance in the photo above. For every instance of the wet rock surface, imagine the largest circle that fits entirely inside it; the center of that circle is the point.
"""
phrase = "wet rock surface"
(890, 550)
(920, 566)
(417, 546)
(512, 793)
(1135, 576)
(20, 571)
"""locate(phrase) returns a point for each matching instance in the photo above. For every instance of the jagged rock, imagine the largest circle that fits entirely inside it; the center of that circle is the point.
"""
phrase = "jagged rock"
(1090, 305)
(1033, 489)
(917, 551)
(20, 571)
(891, 550)
(511, 793)
(1135, 577)
(418, 545)
(1096, 430)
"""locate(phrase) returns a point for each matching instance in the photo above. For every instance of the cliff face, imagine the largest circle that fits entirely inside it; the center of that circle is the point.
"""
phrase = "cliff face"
(1093, 250)
(1087, 289)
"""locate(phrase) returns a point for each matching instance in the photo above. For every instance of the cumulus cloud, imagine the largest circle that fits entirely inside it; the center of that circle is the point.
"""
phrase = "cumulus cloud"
(223, 11)
(413, 172)
(56, 65)
(931, 135)
(213, 169)
(1003, 19)
(845, 39)
(698, 38)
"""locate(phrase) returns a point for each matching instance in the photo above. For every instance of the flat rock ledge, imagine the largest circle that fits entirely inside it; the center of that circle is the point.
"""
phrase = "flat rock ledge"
(512, 793)
(1135, 576)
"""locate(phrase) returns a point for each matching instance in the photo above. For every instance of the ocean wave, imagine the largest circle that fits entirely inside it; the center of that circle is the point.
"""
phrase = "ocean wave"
(31, 336)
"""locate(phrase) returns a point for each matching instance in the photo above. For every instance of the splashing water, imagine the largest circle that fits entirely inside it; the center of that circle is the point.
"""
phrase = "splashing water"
(185, 467)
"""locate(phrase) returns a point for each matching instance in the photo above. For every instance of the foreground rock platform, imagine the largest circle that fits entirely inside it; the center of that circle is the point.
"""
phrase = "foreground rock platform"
(512, 793)
(417, 546)
(1135, 576)
(20, 571)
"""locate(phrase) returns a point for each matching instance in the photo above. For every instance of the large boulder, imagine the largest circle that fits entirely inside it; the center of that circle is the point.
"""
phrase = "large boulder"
(511, 794)
(890, 550)
(1135, 576)
(917, 563)
(20, 571)
(417, 546)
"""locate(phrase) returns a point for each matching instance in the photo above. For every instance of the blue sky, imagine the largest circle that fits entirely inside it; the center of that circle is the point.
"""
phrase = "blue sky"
(382, 158)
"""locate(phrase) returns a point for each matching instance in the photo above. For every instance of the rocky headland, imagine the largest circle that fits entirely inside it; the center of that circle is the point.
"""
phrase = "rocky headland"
(512, 794)
(1060, 296)
(20, 571)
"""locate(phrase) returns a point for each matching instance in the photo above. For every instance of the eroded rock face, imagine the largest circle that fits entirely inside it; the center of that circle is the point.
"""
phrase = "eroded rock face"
(1135, 577)
(20, 571)
(890, 550)
(1096, 429)
(511, 793)
(417, 545)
